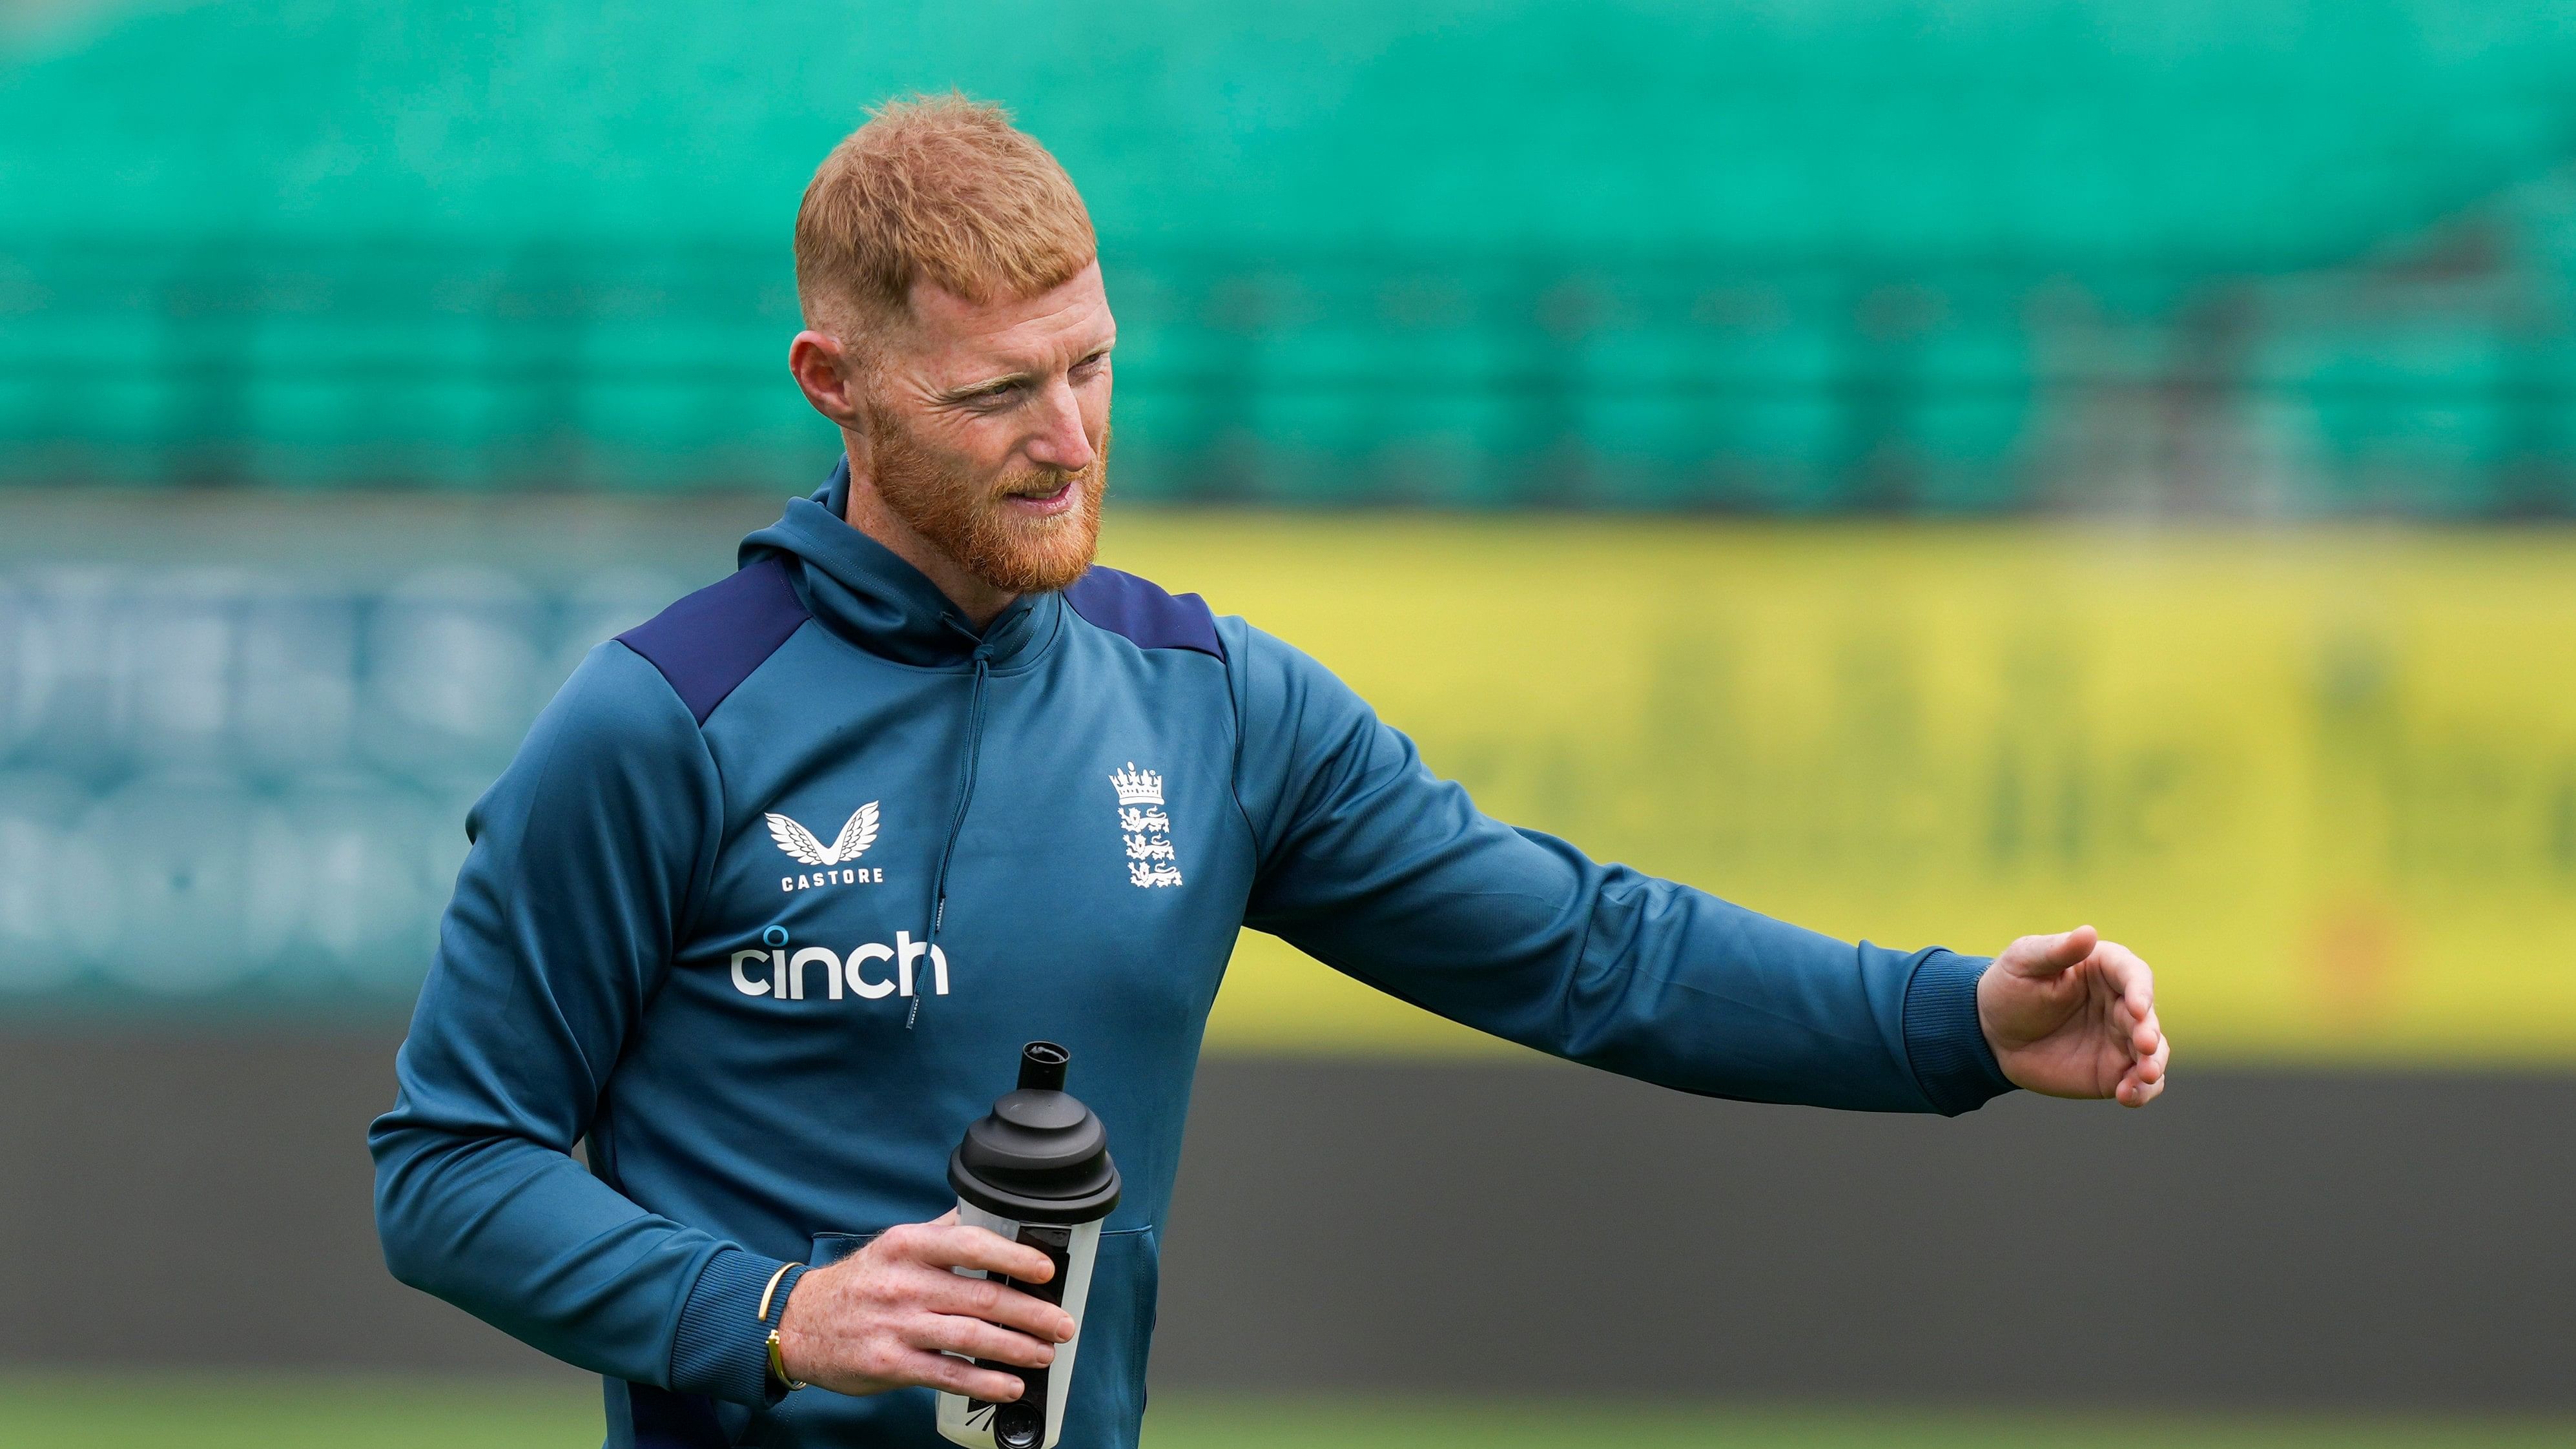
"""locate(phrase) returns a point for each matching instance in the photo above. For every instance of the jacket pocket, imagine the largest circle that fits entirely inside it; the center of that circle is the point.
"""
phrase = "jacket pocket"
(830, 1248)
(1107, 1409)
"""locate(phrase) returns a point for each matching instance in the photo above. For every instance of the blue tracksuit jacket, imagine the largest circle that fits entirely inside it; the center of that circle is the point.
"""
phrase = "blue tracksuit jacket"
(782, 879)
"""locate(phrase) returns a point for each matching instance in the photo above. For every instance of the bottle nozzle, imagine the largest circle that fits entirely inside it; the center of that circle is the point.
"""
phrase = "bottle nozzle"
(1042, 1065)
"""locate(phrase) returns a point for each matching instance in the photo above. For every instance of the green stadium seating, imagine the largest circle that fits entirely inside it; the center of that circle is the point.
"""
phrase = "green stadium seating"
(1776, 257)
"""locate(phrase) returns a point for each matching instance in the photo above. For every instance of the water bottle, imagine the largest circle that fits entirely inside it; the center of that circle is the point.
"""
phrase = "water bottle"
(1036, 1170)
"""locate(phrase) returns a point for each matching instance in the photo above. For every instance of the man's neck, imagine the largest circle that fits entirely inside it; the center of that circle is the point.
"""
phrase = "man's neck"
(979, 601)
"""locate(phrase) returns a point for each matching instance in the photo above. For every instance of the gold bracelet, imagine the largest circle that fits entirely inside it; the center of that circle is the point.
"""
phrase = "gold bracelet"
(763, 1314)
(778, 1363)
(777, 1356)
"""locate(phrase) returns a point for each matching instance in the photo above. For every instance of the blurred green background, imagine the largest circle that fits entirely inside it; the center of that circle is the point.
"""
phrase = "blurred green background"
(2272, 256)
(412, 1414)
(1931, 470)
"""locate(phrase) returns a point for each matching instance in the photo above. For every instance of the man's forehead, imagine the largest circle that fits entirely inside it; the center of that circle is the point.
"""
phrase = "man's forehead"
(960, 332)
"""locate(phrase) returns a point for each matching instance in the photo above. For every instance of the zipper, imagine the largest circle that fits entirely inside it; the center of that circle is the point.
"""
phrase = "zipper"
(965, 797)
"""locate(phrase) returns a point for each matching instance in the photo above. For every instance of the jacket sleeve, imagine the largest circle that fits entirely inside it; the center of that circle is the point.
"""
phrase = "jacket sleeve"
(1373, 865)
(586, 857)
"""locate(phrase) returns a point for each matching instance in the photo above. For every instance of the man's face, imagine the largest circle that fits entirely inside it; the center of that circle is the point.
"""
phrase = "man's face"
(988, 429)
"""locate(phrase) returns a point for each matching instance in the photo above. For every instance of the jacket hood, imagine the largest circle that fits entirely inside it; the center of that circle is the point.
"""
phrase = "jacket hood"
(861, 590)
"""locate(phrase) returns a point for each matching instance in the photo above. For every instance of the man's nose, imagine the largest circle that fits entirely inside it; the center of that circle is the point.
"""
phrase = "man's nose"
(1061, 441)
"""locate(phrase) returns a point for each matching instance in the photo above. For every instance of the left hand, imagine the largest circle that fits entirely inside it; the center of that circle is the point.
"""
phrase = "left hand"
(2074, 1015)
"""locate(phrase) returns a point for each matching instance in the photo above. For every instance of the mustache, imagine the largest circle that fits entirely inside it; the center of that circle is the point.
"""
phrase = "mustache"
(1040, 482)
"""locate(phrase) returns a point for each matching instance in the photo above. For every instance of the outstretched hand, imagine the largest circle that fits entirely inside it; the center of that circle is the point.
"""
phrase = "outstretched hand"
(2073, 1015)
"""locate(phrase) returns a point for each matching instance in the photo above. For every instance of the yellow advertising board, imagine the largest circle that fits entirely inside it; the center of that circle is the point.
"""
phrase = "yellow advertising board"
(2324, 780)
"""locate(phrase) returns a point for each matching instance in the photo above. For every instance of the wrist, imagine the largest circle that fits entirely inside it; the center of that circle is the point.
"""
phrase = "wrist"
(721, 1348)
(772, 1317)
(1946, 1045)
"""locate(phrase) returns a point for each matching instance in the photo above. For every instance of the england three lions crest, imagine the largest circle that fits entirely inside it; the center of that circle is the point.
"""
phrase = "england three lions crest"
(1148, 831)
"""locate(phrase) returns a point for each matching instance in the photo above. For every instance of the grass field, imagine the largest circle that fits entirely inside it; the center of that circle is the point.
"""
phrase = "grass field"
(92, 1412)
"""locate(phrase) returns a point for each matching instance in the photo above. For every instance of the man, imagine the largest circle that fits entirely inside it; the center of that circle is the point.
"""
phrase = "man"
(1052, 794)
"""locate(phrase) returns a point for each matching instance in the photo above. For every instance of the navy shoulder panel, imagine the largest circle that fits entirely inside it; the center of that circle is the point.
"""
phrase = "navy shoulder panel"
(710, 641)
(1142, 612)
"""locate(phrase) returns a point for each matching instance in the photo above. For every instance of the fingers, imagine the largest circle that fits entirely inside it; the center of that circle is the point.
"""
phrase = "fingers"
(2133, 1014)
(2134, 986)
(945, 1245)
(958, 1376)
(975, 1338)
(2147, 1036)
(2145, 1079)
(991, 1301)
(2048, 955)
(2129, 977)
(874, 1361)
(932, 1369)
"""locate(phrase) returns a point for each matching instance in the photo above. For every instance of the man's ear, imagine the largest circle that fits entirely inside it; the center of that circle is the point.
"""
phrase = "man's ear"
(828, 374)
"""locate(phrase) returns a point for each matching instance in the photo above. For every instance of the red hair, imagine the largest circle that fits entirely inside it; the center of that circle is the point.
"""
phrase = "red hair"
(936, 188)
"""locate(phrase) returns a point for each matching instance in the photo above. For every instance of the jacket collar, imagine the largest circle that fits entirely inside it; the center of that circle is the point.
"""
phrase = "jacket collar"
(859, 589)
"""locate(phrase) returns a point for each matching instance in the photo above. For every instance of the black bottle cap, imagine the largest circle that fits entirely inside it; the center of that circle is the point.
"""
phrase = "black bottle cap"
(1042, 1065)
(1040, 1156)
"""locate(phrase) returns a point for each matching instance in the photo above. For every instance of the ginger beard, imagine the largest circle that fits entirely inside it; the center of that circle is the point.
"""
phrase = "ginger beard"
(966, 517)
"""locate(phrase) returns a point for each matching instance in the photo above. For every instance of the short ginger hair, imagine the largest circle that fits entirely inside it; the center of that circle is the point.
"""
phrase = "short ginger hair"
(937, 188)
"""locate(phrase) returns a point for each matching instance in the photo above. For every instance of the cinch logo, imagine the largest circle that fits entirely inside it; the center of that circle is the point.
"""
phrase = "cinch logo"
(857, 834)
(783, 974)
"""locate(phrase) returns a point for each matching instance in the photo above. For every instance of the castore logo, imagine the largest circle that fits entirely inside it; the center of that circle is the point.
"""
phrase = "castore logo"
(857, 834)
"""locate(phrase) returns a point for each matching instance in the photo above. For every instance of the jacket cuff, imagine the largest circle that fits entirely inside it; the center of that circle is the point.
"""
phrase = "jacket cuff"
(1944, 1044)
(722, 1347)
